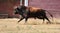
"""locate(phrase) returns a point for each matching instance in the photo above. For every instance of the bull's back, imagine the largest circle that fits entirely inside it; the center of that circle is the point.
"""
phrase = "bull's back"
(34, 9)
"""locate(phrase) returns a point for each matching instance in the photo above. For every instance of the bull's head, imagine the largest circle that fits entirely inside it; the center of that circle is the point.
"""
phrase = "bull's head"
(21, 10)
(16, 11)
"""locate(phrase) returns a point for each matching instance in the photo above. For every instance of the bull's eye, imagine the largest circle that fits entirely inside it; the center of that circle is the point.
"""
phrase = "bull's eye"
(16, 10)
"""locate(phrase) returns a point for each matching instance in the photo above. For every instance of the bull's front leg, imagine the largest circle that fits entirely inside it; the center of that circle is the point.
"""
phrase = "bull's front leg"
(20, 20)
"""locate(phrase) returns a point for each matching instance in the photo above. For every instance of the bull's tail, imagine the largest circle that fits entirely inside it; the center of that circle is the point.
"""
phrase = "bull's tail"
(50, 15)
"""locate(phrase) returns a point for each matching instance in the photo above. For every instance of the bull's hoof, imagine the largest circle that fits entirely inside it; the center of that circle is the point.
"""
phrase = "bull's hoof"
(49, 23)
(18, 21)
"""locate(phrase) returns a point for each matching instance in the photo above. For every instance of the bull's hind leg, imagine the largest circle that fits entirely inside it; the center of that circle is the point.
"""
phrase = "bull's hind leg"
(43, 20)
(20, 20)
(48, 20)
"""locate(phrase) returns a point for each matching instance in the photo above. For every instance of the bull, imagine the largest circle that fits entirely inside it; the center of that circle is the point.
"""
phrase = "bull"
(32, 12)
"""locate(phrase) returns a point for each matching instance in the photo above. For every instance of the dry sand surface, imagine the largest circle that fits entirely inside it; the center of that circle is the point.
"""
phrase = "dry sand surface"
(10, 25)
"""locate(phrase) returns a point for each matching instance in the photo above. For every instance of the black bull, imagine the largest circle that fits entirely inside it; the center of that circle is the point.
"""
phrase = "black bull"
(31, 12)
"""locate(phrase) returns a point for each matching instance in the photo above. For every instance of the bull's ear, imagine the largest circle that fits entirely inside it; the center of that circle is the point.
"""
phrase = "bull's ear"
(14, 7)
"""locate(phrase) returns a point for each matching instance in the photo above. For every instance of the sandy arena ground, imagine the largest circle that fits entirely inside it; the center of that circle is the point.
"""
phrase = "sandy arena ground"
(10, 25)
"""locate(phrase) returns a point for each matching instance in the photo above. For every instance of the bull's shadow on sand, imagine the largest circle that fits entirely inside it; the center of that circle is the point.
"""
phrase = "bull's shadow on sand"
(41, 23)
(57, 23)
(37, 23)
